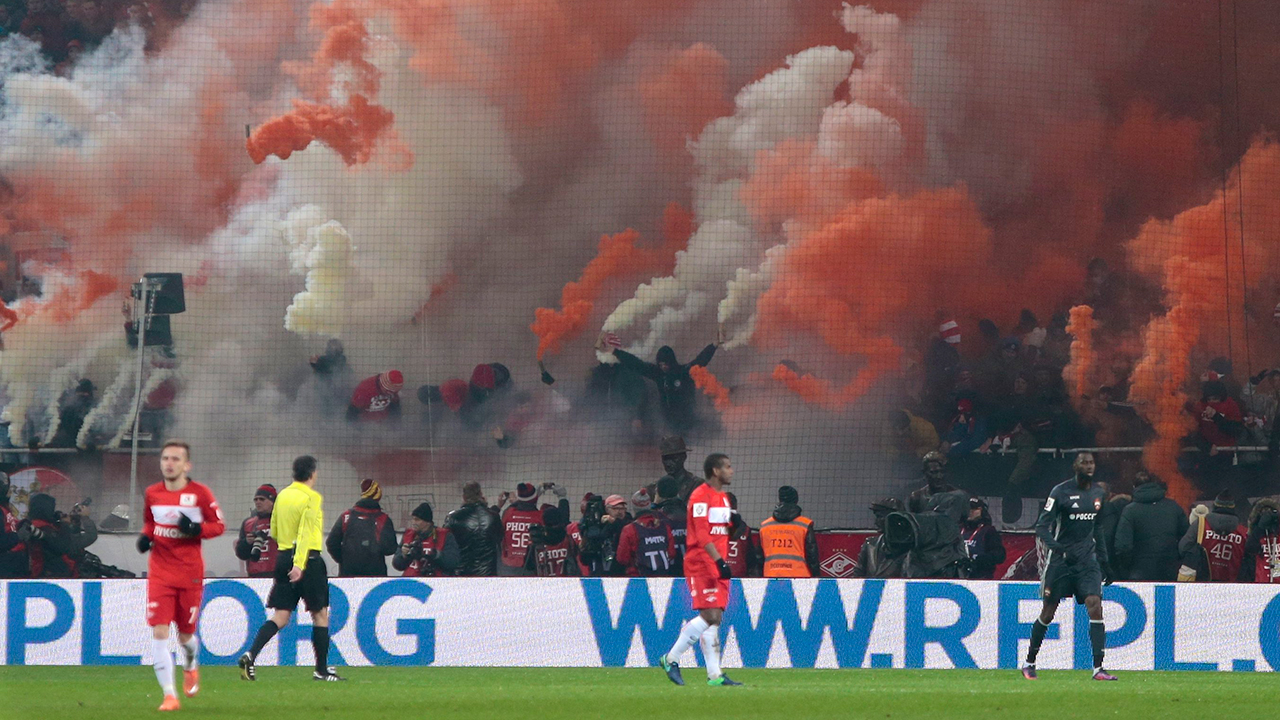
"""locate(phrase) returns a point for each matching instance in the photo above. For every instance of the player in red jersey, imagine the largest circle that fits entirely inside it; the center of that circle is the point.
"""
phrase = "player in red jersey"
(705, 570)
(177, 515)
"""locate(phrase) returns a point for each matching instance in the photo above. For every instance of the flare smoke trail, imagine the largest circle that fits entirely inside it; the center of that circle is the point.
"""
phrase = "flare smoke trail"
(1078, 372)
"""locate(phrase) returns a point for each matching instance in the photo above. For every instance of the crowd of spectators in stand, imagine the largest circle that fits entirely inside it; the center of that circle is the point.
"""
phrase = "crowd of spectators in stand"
(646, 397)
(993, 407)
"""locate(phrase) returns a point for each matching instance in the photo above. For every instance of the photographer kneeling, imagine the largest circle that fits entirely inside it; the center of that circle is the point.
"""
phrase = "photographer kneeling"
(426, 550)
(55, 541)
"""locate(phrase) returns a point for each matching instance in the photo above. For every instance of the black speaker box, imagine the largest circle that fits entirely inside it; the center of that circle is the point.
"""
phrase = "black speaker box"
(167, 290)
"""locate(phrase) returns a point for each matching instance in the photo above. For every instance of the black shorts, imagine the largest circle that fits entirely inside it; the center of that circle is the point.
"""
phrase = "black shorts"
(312, 589)
(1062, 581)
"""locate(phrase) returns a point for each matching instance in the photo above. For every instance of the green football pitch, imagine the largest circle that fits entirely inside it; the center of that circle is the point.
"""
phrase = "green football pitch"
(545, 694)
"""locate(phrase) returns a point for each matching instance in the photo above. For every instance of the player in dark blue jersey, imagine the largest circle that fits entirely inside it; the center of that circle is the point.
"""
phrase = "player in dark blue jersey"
(1076, 559)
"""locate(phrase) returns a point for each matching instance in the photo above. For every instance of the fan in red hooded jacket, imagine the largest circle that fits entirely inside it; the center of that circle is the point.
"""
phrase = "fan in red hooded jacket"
(377, 398)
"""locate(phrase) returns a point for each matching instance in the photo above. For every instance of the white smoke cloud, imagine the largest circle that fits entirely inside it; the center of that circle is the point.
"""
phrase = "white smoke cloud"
(324, 254)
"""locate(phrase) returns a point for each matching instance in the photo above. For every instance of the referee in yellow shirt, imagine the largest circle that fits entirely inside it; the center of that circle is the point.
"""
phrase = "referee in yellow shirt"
(297, 523)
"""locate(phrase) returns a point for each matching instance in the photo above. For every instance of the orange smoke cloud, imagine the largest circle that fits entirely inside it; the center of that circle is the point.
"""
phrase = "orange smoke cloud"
(9, 317)
(352, 128)
(711, 386)
(682, 94)
(856, 280)
(616, 255)
(438, 292)
(1198, 260)
(1083, 358)
(791, 181)
(89, 288)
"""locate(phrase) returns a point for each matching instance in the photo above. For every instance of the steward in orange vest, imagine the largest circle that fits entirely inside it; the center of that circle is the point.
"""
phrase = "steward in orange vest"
(788, 540)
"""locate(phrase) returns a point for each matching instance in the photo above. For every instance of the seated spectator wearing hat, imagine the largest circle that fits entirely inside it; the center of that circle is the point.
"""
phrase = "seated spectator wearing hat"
(982, 541)
(553, 552)
(363, 537)
(426, 550)
(788, 539)
(1148, 534)
(1215, 540)
(254, 545)
(646, 547)
(377, 398)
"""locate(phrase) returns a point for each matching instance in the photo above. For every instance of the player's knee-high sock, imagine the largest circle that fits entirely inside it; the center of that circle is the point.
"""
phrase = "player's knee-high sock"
(162, 661)
(689, 634)
(1038, 629)
(265, 633)
(1097, 638)
(320, 641)
(190, 653)
(711, 650)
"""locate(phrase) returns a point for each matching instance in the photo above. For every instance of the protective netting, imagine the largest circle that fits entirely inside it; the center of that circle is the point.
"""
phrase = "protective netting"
(911, 225)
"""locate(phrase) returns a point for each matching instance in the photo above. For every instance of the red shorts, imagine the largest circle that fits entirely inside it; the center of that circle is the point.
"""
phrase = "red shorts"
(167, 604)
(708, 591)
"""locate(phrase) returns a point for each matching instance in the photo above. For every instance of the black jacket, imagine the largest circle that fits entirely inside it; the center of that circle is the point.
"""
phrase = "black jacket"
(677, 515)
(985, 546)
(369, 562)
(599, 547)
(1148, 534)
(676, 394)
(478, 530)
(1110, 520)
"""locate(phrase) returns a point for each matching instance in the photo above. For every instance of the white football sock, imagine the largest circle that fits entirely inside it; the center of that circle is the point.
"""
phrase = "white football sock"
(711, 651)
(162, 661)
(689, 635)
(190, 653)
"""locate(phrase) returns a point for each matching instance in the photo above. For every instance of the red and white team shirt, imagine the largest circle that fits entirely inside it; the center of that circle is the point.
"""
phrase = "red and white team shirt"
(709, 519)
(373, 402)
(176, 560)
